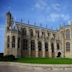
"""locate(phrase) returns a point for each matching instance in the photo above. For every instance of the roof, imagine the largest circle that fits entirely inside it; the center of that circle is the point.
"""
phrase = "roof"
(34, 26)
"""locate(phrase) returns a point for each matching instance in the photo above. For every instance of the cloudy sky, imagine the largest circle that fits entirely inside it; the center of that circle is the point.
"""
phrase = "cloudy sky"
(50, 13)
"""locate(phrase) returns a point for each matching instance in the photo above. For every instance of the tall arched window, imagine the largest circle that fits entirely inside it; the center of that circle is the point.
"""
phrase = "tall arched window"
(54, 35)
(25, 44)
(19, 42)
(32, 45)
(24, 31)
(37, 32)
(48, 34)
(52, 47)
(43, 33)
(46, 46)
(8, 41)
(31, 32)
(58, 47)
(13, 41)
(67, 34)
(39, 46)
(67, 46)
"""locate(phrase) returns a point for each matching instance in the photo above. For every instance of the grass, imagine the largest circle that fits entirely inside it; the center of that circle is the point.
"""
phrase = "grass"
(45, 60)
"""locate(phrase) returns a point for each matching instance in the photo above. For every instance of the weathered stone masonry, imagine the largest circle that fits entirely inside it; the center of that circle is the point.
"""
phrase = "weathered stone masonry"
(24, 40)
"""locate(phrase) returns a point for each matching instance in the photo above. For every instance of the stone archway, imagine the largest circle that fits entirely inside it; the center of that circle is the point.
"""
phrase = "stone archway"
(32, 48)
(46, 49)
(39, 49)
(24, 51)
(59, 54)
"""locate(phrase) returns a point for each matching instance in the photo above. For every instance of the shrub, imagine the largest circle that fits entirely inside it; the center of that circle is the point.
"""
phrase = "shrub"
(9, 58)
(1, 56)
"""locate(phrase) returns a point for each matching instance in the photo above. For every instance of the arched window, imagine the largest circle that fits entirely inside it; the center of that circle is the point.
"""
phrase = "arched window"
(13, 41)
(31, 32)
(67, 34)
(67, 46)
(32, 45)
(54, 35)
(8, 41)
(48, 34)
(43, 33)
(46, 46)
(25, 44)
(19, 42)
(39, 46)
(37, 32)
(24, 31)
(58, 47)
(52, 47)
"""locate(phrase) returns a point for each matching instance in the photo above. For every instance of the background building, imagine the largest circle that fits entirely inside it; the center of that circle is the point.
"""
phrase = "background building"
(24, 40)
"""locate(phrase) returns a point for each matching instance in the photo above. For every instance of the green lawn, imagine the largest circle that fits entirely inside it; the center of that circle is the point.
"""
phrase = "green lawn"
(45, 60)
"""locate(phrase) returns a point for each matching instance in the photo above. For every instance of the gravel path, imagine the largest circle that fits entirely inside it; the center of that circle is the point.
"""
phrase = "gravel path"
(20, 67)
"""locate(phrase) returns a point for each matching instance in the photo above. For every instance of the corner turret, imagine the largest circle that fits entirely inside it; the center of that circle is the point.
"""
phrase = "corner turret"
(8, 21)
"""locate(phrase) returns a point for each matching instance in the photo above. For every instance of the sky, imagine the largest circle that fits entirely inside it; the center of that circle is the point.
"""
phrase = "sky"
(44, 13)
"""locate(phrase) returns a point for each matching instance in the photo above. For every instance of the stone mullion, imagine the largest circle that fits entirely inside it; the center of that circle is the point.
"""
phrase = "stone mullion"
(29, 46)
(36, 47)
(49, 49)
(16, 45)
(19, 49)
(10, 50)
(28, 38)
(55, 48)
(43, 49)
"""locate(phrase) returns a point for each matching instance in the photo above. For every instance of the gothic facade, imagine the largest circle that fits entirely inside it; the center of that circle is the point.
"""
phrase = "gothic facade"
(24, 40)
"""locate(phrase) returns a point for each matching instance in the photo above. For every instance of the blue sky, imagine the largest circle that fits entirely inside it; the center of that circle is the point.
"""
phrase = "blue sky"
(54, 13)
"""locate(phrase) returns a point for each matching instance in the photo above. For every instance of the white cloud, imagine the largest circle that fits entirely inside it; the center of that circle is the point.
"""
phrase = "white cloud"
(69, 22)
(40, 4)
(56, 16)
(56, 6)
(65, 17)
(45, 5)
(53, 11)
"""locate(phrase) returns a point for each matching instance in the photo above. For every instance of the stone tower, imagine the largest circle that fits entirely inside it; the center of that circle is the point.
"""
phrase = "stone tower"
(8, 21)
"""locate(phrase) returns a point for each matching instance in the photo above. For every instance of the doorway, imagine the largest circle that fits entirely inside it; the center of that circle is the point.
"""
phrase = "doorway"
(59, 54)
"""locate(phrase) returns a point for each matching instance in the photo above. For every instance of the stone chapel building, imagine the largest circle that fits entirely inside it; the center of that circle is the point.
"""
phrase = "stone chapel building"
(24, 40)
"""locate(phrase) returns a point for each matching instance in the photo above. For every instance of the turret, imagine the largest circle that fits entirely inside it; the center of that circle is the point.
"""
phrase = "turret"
(8, 21)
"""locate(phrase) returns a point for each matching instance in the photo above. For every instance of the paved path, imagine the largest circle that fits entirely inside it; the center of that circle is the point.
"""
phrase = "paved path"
(20, 67)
